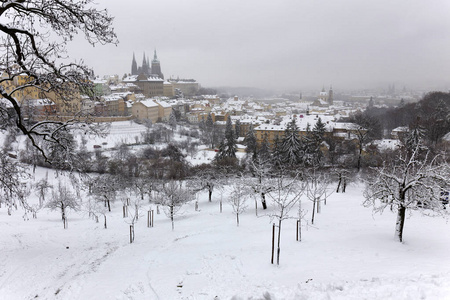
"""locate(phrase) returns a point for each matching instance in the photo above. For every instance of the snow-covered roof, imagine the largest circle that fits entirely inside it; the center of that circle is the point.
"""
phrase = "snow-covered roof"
(39, 102)
(387, 144)
(164, 104)
(148, 103)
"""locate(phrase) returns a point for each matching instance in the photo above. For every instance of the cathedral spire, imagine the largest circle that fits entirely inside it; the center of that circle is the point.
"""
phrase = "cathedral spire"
(134, 69)
(155, 57)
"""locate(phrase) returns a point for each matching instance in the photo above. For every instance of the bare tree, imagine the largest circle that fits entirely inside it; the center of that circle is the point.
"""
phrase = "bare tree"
(63, 199)
(316, 188)
(42, 187)
(96, 209)
(238, 197)
(261, 168)
(13, 176)
(173, 197)
(28, 52)
(411, 181)
(285, 195)
(105, 188)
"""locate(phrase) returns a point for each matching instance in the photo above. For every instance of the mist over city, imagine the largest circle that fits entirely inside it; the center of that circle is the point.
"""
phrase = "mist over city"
(283, 46)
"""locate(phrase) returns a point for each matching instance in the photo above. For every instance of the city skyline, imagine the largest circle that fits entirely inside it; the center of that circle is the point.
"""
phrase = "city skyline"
(284, 44)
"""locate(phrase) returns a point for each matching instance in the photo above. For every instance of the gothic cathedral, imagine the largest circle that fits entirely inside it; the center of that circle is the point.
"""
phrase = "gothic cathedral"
(153, 70)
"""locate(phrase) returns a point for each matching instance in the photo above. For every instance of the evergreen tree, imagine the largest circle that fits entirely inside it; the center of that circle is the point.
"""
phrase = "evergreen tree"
(230, 140)
(251, 143)
(316, 137)
(291, 145)
(210, 130)
(237, 128)
(277, 153)
(264, 150)
(173, 120)
(227, 148)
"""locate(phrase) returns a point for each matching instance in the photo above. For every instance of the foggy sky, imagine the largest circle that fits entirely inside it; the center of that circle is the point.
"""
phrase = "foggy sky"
(288, 44)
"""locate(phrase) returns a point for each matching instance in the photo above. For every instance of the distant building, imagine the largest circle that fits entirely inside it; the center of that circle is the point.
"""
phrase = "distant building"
(153, 70)
(324, 99)
(147, 85)
(151, 109)
(188, 87)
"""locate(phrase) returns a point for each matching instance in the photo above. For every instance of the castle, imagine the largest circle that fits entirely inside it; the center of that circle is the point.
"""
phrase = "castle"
(153, 70)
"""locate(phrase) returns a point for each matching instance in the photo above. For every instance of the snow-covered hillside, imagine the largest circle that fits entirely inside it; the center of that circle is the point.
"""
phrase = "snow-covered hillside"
(348, 254)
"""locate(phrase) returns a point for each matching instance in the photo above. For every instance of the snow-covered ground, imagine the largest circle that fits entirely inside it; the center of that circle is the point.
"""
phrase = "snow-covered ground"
(348, 254)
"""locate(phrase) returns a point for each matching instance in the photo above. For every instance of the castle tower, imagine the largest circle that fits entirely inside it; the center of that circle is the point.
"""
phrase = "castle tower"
(145, 66)
(156, 66)
(330, 96)
(134, 68)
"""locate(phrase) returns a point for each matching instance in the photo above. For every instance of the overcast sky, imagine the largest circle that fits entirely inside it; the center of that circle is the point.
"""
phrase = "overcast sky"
(290, 44)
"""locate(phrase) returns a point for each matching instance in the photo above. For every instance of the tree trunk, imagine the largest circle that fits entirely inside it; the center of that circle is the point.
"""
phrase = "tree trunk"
(210, 194)
(237, 219)
(313, 210)
(109, 204)
(359, 157)
(171, 217)
(278, 243)
(400, 222)
(345, 185)
(105, 221)
(273, 242)
(263, 200)
(339, 183)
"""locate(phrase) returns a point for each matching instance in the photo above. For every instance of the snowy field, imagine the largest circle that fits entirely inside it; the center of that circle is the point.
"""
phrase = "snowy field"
(349, 253)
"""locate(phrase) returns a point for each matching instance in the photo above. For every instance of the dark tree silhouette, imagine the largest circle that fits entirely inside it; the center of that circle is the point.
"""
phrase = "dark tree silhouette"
(27, 51)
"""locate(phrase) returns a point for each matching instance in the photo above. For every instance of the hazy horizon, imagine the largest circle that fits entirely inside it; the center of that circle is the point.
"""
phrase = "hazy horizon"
(286, 44)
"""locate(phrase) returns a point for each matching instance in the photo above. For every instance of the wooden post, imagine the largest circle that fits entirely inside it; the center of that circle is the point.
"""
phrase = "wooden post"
(131, 234)
(296, 236)
(273, 242)
(196, 206)
(152, 215)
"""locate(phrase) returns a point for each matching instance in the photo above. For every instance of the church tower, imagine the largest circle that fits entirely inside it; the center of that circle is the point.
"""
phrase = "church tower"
(330, 96)
(145, 66)
(156, 67)
(134, 68)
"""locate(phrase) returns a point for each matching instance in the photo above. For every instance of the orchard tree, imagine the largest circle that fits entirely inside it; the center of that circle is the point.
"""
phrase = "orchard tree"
(205, 178)
(63, 199)
(172, 198)
(411, 181)
(33, 43)
(285, 195)
(238, 198)
(316, 190)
